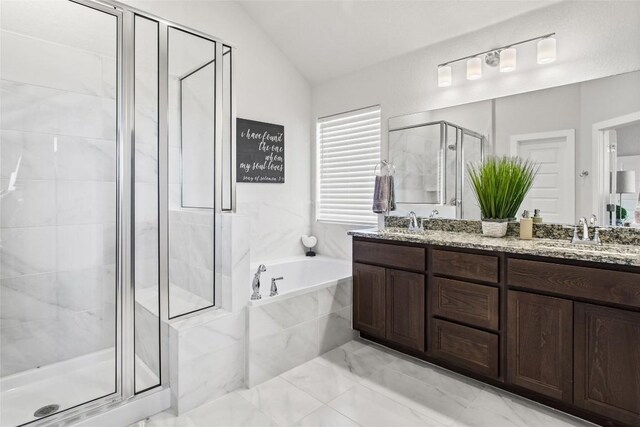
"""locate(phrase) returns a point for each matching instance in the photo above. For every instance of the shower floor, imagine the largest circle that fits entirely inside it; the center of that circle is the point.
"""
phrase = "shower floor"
(67, 384)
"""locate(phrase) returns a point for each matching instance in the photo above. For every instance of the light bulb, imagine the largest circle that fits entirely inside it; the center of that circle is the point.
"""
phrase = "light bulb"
(474, 68)
(507, 60)
(444, 76)
(546, 50)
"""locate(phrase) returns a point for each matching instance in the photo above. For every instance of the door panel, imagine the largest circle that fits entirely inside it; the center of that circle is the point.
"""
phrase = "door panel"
(405, 294)
(607, 362)
(553, 189)
(369, 299)
(539, 348)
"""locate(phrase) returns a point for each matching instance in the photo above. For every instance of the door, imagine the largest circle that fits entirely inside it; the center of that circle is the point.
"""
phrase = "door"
(61, 208)
(554, 188)
(539, 345)
(405, 294)
(607, 362)
(369, 299)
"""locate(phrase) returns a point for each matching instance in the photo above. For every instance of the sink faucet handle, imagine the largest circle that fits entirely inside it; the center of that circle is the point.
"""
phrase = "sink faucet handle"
(596, 237)
(594, 220)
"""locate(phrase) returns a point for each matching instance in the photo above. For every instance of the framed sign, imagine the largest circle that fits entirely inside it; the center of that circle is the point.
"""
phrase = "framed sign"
(259, 152)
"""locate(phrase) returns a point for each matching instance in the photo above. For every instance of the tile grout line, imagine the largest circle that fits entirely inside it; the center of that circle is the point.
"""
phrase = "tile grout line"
(255, 407)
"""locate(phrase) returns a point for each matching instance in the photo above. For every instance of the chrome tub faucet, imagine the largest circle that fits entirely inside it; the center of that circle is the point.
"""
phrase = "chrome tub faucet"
(255, 285)
(274, 288)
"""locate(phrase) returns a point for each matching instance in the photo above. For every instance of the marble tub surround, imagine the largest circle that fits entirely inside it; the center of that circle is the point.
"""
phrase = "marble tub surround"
(613, 235)
(206, 357)
(292, 330)
(606, 253)
(362, 384)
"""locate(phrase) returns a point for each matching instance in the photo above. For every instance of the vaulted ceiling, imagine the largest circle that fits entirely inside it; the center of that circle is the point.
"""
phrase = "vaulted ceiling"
(326, 39)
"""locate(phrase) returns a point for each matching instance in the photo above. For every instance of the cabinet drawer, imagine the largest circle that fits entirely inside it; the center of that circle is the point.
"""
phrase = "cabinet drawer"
(611, 286)
(466, 302)
(466, 266)
(406, 257)
(468, 348)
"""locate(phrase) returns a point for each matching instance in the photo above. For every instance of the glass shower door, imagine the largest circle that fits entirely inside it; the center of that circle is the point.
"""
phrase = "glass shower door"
(58, 207)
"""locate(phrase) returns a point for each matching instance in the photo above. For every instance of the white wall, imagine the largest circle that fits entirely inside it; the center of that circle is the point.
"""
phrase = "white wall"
(270, 89)
(595, 39)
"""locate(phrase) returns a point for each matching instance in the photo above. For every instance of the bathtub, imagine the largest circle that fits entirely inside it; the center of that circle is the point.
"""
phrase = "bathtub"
(310, 315)
(300, 275)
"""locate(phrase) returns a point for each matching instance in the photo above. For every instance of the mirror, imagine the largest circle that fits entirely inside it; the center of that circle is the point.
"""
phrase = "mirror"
(583, 135)
(430, 151)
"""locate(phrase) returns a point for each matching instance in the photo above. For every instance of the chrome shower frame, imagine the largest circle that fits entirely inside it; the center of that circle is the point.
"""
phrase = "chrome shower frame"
(125, 392)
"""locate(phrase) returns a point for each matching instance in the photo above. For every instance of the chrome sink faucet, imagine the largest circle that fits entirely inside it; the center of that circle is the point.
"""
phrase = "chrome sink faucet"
(255, 285)
(274, 288)
(413, 222)
(585, 232)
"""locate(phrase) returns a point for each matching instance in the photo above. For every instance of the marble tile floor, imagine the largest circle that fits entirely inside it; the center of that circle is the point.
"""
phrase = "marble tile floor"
(363, 384)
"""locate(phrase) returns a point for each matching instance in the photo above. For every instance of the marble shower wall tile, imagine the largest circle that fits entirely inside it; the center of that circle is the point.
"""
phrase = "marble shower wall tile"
(57, 138)
(191, 251)
(290, 331)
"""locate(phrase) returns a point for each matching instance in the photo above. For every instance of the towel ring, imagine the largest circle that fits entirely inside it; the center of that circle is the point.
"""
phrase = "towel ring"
(391, 169)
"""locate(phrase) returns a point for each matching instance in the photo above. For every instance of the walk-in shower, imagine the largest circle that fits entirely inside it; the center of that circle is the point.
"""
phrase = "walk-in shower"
(113, 167)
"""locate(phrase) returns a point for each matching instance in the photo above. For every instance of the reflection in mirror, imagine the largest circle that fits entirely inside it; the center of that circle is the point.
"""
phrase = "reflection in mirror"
(418, 156)
(581, 134)
(624, 152)
(430, 161)
(191, 63)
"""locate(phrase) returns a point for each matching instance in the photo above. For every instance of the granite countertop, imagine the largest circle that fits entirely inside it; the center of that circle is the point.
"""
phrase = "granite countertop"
(606, 253)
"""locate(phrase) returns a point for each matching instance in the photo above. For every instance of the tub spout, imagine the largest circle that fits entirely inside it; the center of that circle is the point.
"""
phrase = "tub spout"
(274, 288)
(255, 285)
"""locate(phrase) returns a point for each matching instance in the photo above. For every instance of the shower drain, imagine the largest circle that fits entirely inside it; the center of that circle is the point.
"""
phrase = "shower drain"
(46, 410)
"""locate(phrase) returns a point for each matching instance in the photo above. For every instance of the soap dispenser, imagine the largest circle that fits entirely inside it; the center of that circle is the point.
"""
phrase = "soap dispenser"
(526, 226)
(537, 218)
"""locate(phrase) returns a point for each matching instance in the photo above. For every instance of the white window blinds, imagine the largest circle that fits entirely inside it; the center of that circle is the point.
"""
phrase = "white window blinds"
(348, 150)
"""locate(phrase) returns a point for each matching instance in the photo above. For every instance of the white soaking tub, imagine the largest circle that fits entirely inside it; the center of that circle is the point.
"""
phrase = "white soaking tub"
(300, 275)
(310, 315)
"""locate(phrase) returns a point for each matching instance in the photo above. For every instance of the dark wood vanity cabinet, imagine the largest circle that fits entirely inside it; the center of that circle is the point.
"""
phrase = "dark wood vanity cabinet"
(369, 299)
(389, 303)
(564, 333)
(607, 362)
(539, 344)
(405, 308)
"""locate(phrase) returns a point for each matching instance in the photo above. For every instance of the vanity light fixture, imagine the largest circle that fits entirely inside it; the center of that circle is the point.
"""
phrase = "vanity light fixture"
(508, 59)
(547, 50)
(503, 57)
(474, 68)
(444, 76)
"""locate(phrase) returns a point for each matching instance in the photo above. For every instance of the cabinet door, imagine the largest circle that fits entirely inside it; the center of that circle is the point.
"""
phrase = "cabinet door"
(539, 347)
(405, 308)
(369, 299)
(607, 362)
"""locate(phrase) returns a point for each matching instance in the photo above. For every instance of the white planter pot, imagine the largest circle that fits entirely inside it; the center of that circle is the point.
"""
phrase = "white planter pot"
(494, 228)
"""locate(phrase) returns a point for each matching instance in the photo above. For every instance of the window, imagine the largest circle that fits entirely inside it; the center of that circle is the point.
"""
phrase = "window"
(348, 150)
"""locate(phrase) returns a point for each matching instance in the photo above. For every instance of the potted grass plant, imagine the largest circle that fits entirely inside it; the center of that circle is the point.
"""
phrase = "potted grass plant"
(500, 185)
